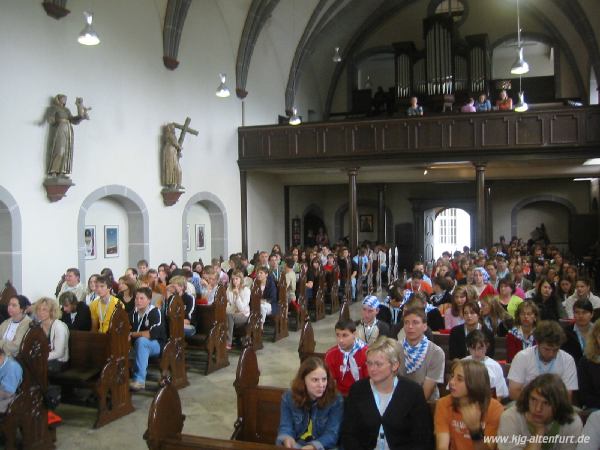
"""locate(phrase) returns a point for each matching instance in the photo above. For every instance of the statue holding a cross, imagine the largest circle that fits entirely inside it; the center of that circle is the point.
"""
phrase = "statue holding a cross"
(171, 154)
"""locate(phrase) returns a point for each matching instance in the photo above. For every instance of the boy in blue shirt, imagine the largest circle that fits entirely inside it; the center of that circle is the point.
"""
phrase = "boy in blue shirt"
(11, 376)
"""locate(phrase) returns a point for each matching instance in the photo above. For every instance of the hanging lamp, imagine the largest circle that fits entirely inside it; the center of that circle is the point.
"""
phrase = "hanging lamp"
(88, 35)
(222, 89)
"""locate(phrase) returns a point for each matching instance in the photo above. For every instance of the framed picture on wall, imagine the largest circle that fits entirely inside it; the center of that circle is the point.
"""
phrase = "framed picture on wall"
(188, 246)
(89, 240)
(366, 223)
(200, 237)
(111, 241)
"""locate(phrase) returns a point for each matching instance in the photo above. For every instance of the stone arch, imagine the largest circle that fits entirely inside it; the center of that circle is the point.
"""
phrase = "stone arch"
(339, 218)
(537, 198)
(138, 233)
(8, 205)
(218, 222)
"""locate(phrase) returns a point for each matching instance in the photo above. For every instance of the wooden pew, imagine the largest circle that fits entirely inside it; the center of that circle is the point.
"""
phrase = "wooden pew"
(165, 423)
(100, 362)
(172, 360)
(279, 320)
(211, 334)
(298, 316)
(258, 407)
(319, 297)
(252, 330)
(332, 298)
(8, 292)
(345, 311)
(307, 344)
(27, 414)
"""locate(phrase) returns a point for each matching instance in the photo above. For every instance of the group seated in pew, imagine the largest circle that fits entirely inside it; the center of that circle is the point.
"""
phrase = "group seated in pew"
(99, 362)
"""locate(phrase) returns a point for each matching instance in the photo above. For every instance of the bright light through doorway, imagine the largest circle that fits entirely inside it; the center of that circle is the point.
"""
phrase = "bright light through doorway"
(452, 231)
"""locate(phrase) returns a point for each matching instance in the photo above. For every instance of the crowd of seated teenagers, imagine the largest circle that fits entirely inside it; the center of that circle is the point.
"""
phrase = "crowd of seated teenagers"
(387, 384)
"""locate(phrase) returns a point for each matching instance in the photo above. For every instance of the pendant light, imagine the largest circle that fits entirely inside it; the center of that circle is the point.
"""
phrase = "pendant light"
(295, 118)
(520, 66)
(522, 106)
(88, 35)
(337, 58)
(222, 89)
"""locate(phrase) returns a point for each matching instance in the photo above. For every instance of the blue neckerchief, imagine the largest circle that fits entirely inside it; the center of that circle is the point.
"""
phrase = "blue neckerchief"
(414, 356)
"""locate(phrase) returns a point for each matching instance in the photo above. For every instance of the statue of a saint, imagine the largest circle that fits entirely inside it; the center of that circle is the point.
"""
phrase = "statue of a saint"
(171, 154)
(60, 160)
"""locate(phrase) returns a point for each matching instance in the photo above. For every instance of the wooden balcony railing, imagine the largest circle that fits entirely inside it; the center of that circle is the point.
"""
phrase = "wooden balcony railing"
(541, 134)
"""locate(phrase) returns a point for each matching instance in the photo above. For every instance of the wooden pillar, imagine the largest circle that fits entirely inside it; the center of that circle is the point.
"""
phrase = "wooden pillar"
(381, 231)
(244, 204)
(353, 210)
(489, 231)
(286, 217)
(480, 203)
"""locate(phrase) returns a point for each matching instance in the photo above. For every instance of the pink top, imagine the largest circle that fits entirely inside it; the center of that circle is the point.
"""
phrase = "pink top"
(450, 321)
(468, 108)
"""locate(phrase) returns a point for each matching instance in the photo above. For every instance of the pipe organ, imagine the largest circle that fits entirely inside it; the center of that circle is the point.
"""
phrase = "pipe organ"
(448, 66)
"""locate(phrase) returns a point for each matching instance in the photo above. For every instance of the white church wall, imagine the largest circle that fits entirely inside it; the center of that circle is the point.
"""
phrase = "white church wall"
(265, 212)
(5, 246)
(132, 95)
(103, 213)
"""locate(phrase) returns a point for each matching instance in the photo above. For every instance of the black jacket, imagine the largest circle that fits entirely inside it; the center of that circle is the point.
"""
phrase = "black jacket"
(457, 343)
(571, 345)
(407, 421)
(83, 318)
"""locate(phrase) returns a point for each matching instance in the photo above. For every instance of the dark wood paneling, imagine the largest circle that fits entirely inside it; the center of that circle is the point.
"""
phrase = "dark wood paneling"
(307, 142)
(395, 137)
(529, 131)
(334, 140)
(429, 135)
(544, 133)
(564, 129)
(363, 138)
(461, 133)
(495, 132)
(279, 144)
(251, 144)
(593, 126)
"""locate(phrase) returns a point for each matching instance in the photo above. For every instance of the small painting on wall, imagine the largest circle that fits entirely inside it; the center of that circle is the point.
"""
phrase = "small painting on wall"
(89, 240)
(111, 241)
(188, 245)
(366, 223)
(200, 237)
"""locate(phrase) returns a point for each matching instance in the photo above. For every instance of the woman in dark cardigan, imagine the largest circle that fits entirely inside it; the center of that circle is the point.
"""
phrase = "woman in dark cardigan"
(588, 370)
(75, 314)
(386, 409)
(457, 343)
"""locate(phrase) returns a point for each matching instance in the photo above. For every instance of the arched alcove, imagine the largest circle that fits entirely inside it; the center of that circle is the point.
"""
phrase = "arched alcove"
(137, 223)
(312, 220)
(537, 199)
(11, 258)
(363, 205)
(218, 224)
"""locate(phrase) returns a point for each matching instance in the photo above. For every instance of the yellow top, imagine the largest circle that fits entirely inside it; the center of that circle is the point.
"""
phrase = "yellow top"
(102, 313)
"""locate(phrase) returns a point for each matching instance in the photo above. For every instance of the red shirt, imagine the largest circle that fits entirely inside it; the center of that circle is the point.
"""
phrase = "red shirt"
(335, 361)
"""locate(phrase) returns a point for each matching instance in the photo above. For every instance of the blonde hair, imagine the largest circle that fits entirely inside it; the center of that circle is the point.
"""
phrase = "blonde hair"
(388, 346)
(179, 280)
(592, 349)
(53, 308)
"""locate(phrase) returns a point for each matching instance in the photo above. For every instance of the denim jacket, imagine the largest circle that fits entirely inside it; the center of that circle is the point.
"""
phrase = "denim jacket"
(326, 422)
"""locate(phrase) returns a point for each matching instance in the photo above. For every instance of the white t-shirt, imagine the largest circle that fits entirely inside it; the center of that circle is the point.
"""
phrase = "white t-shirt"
(11, 331)
(568, 304)
(496, 374)
(526, 366)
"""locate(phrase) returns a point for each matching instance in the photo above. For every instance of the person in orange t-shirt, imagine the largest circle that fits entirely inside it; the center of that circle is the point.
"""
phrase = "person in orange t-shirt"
(464, 417)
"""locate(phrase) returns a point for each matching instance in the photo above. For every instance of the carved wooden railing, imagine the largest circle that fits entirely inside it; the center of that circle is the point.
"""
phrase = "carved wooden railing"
(546, 133)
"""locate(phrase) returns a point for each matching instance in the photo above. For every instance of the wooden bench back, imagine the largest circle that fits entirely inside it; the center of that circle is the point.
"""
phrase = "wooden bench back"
(27, 412)
(176, 316)
(307, 344)
(258, 406)
(8, 292)
(165, 419)
(208, 315)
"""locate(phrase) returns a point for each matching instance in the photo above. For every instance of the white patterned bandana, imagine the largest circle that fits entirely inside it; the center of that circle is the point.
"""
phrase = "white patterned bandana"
(349, 361)
(518, 333)
(415, 356)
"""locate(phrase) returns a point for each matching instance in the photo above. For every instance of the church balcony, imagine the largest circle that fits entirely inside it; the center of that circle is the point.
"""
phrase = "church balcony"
(558, 132)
